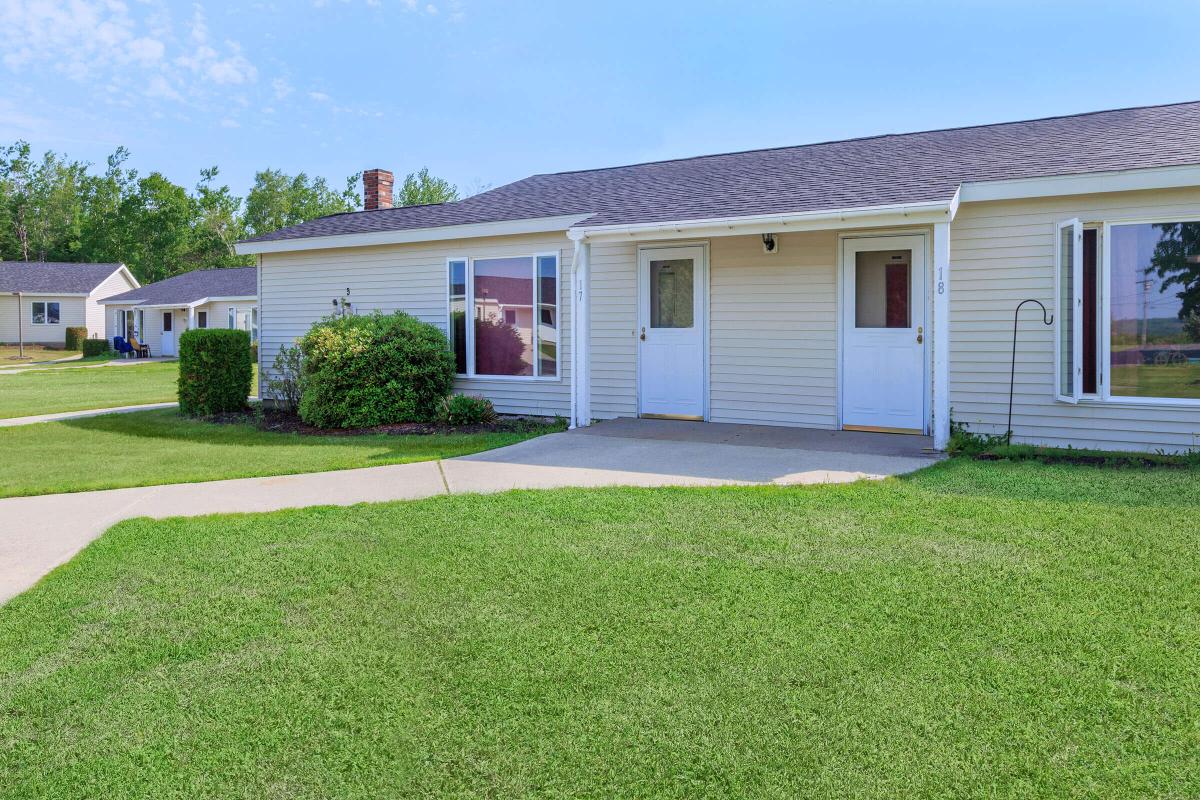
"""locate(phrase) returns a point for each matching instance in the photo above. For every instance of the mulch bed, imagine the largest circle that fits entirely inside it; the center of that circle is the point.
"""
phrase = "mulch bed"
(279, 422)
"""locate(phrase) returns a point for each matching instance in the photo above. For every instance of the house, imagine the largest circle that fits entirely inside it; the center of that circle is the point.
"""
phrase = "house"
(39, 300)
(157, 313)
(867, 284)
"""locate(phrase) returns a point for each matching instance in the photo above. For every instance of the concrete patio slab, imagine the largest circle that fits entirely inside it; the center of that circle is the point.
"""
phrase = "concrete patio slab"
(39, 533)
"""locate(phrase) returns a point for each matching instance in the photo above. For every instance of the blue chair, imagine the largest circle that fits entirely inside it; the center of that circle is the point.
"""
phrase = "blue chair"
(122, 346)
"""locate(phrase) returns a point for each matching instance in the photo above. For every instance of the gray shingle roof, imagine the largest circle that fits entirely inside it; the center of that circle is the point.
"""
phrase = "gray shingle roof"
(879, 170)
(192, 286)
(66, 277)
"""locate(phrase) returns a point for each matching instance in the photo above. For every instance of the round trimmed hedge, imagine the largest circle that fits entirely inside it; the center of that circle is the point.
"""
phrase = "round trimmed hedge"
(380, 369)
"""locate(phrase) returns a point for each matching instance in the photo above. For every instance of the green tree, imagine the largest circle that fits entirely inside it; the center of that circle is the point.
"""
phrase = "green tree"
(420, 188)
(103, 236)
(218, 224)
(278, 200)
(40, 205)
(156, 220)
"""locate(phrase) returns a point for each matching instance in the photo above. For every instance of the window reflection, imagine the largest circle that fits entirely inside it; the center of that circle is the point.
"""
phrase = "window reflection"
(1155, 310)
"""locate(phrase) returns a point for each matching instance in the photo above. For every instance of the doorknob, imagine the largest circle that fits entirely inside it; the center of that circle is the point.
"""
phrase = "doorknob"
(643, 337)
(920, 334)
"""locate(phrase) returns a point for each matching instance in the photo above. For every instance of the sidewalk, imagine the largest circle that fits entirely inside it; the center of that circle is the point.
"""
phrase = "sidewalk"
(13, 422)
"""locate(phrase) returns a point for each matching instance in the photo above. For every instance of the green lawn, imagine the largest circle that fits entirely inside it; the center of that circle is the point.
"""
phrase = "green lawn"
(45, 391)
(33, 353)
(981, 629)
(1154, 380)
(145, 448)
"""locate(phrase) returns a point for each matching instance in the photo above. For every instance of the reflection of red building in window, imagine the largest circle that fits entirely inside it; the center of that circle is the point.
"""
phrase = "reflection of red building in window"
(897, 296)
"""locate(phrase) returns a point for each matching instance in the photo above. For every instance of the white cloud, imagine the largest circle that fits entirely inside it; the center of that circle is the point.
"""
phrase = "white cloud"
(126, 51)
(230, 123)
(320, 97)
(282, 88)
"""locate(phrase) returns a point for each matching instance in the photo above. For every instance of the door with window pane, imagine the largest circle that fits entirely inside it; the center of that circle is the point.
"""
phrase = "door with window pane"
(883, 334)
(671, 332)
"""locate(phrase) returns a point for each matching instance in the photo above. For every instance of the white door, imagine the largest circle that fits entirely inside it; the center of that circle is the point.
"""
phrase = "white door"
(168, 334)
(671, 319)
(883, 333)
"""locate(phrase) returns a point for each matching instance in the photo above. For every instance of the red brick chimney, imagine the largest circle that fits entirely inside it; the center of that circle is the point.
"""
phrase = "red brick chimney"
(377, 189)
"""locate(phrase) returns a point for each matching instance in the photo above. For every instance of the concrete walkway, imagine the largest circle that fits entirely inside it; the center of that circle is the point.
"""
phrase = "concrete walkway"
(13, 422)
(39, 533)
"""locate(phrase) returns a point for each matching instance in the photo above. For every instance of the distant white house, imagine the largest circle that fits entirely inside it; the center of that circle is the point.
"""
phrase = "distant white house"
(39, 300)
(157, 313)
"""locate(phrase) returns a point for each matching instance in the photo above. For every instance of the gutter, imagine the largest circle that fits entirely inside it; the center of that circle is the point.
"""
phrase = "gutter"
(860, 216)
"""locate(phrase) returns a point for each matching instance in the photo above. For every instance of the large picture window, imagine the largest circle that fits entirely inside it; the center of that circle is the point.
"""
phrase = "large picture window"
(1154, 310)
(512, 307)
(1129, 312)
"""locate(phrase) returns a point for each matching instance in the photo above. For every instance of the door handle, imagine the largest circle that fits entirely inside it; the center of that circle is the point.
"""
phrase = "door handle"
(920, 334)
(643, 336)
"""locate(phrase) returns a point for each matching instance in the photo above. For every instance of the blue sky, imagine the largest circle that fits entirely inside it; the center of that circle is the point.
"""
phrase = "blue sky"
(487, 92)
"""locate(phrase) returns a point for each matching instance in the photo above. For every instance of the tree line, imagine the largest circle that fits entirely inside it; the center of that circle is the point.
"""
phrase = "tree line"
(59, 209)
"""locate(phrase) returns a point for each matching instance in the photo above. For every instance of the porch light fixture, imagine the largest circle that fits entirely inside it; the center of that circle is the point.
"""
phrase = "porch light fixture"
(770, 245)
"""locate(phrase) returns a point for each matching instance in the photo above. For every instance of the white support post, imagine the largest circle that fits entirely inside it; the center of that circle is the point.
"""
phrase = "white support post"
(941, 335)
(191, 318)
(581, 375)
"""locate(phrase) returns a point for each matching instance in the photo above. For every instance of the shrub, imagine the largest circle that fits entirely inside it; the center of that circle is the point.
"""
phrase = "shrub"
(362, 371)
(465, 409)
(286, 384)
(75, 338)
(95, 347)
(499, 349)
(254, 353)
(215, 371)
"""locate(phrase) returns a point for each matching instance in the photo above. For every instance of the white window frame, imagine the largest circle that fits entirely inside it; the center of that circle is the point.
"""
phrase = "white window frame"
(1077, 306)
(201, 319)
(1106, 395)
(232, 318)
(45, 304)
(469, 327)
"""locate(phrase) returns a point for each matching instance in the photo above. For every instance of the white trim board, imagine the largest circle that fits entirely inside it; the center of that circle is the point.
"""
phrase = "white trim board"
(437, 234)
(900, 215)
(1086, 183)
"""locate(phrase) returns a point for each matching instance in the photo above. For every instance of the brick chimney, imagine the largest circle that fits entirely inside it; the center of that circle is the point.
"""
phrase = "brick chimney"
(377, 189)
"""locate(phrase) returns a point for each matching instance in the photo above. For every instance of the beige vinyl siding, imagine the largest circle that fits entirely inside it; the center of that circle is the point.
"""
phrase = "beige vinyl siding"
(614, 287)
(297, 289)
(70, 314)
(1002, 253)
(96, 314)
(773, 331)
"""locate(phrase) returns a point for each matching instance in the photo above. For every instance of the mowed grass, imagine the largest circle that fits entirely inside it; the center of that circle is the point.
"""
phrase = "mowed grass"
(978, 630)
(47, 391)
(10, 355)
(145, 448)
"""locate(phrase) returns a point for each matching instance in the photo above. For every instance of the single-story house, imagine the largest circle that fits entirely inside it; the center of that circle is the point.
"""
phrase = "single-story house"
(157, 313)
(39, 300)
(865, 284)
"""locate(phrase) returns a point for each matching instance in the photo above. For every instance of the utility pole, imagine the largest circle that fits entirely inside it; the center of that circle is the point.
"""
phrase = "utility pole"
(1147, 285)
(20, 329)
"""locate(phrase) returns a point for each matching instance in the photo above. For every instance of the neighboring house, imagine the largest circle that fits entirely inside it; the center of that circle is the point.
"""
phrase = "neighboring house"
(863, 284)
(54, 296)
(158, 313)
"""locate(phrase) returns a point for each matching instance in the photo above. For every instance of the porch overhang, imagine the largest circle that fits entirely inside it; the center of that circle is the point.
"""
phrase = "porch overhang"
(885, 216)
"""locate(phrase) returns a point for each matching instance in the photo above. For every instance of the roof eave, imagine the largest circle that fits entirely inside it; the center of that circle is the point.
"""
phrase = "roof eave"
(1125, 180)
(409, 235)
(822, 219)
